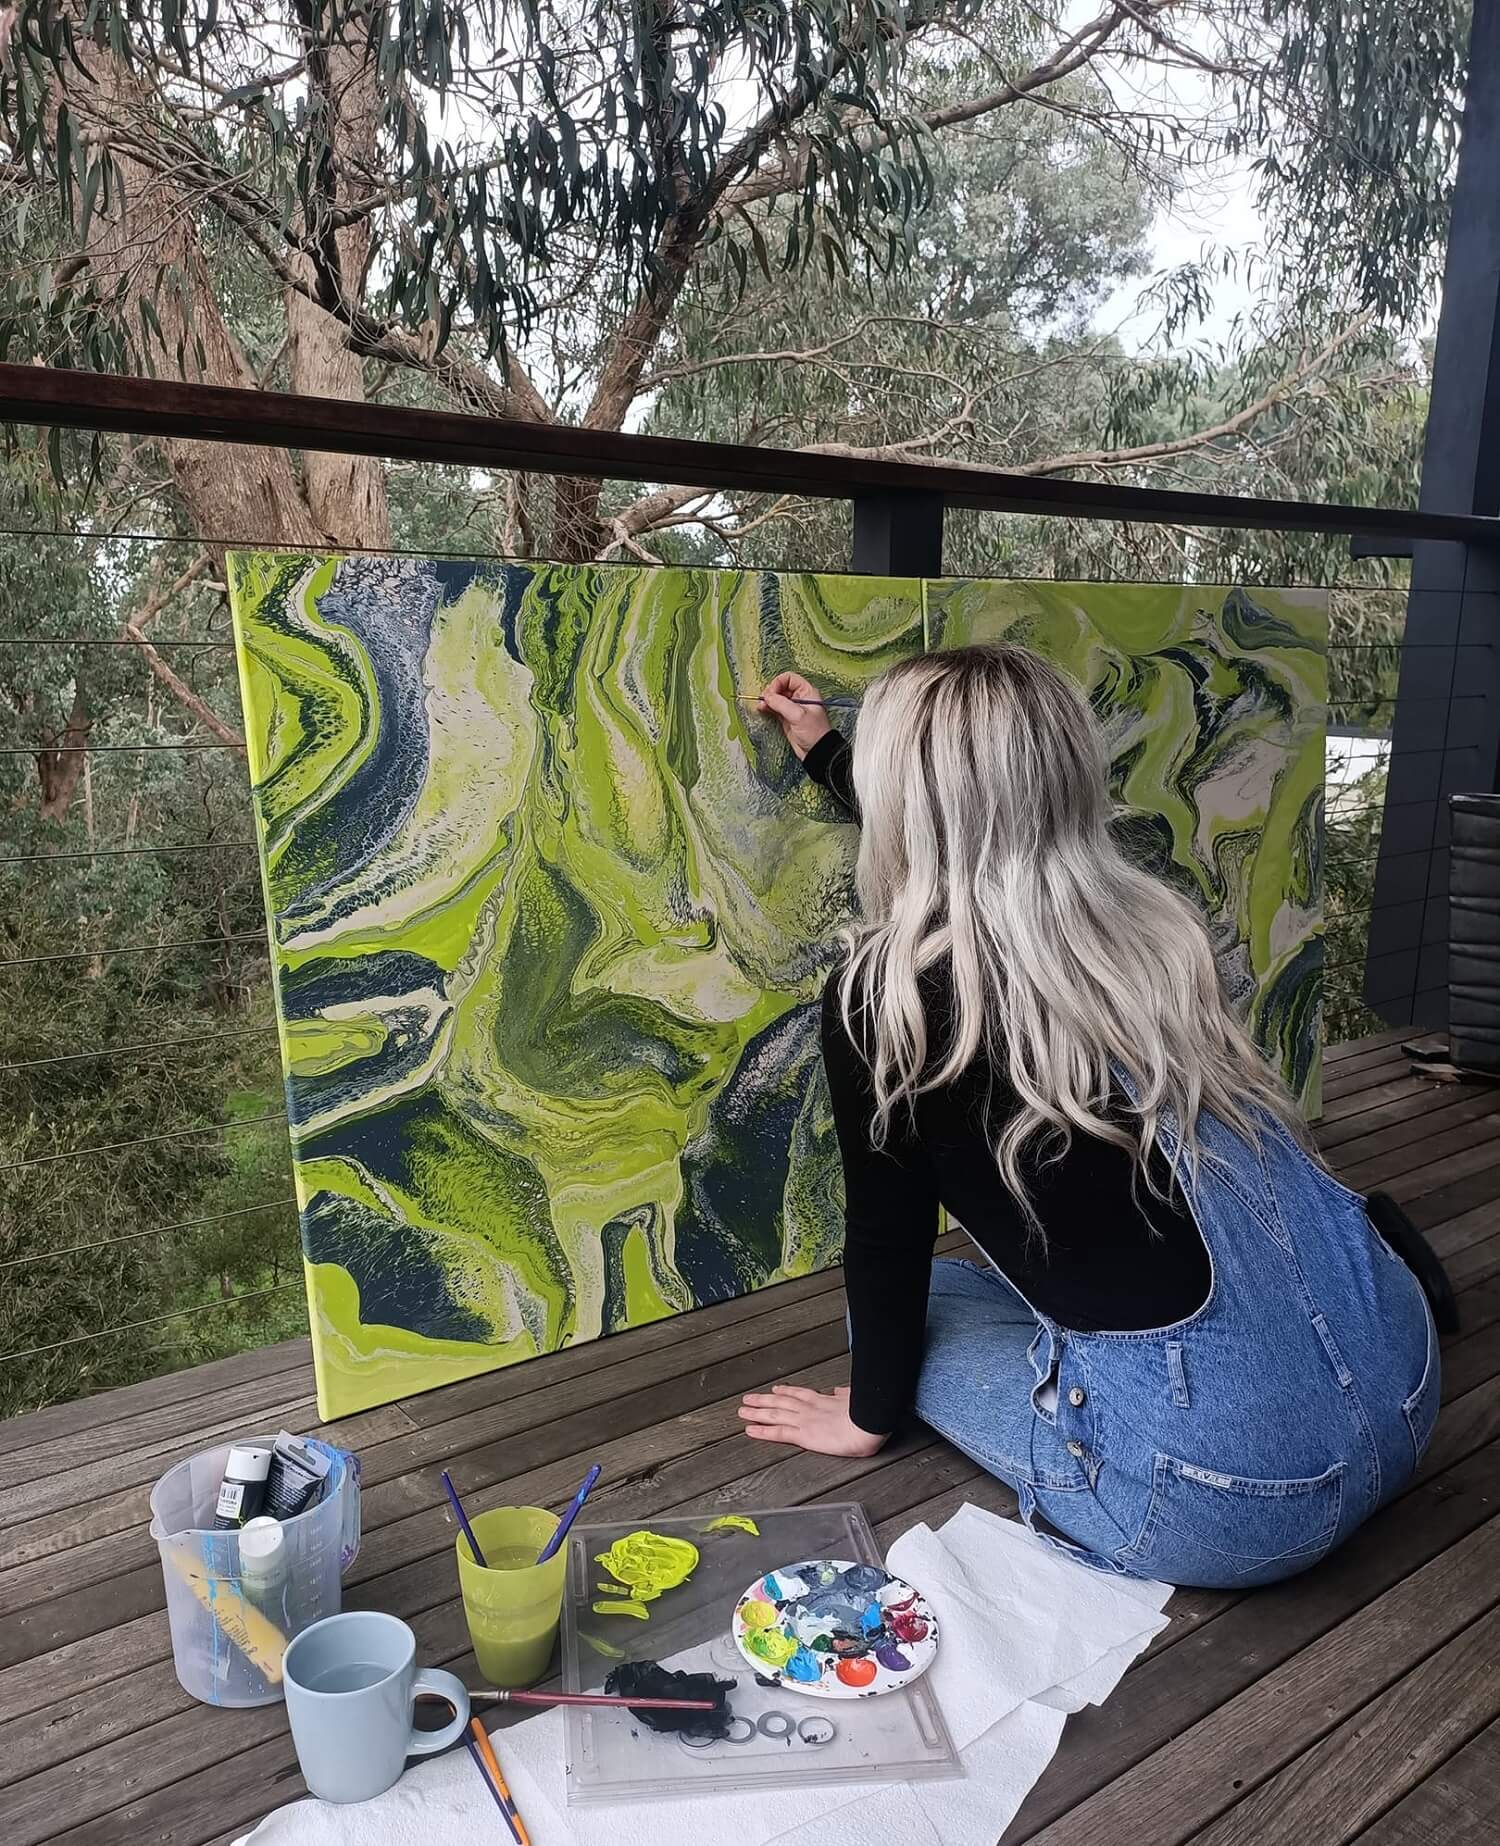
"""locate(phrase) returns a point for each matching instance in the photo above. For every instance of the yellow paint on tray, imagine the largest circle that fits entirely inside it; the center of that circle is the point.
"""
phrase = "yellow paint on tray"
(773, 1645)
(601, 1647)
(648, 1563)
(733, 1522)
(622, 1608)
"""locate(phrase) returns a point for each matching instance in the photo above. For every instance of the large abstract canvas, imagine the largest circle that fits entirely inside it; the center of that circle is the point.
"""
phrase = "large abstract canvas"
(552, 908)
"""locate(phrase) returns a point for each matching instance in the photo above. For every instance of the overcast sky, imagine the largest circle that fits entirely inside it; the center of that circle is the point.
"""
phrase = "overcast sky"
(1213, 209)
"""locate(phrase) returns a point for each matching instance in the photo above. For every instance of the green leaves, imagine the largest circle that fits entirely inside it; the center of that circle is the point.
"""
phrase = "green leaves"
(504, 135)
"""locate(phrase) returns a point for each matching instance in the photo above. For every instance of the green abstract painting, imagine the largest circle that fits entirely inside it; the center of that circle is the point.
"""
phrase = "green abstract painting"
(1213, 702)
(551, 913)
(552, 909)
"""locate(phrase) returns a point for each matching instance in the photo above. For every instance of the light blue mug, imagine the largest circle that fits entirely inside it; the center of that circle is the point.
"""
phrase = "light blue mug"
(351, 1682)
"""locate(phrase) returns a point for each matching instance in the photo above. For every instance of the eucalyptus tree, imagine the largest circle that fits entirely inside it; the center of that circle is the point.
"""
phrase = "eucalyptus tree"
(516, 208)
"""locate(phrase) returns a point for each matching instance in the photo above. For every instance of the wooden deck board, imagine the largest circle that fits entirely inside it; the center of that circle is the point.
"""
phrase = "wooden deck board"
(1355, 1703)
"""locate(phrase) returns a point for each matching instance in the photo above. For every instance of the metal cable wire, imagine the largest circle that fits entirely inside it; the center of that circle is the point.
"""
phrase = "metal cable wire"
(113, 641)
(133, 948)
(104, 749)
(146, 1045)
(121, 852)
(206, 541)
(154, 1320)
(116, 1147)
(160, 1230)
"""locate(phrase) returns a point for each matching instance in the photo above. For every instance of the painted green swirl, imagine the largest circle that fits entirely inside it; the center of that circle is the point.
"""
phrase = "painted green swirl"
(552, 913)
(552, 910)
(1214, 705)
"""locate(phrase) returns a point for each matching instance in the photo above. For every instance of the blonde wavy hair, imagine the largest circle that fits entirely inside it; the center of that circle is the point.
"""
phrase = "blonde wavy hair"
(982, 784)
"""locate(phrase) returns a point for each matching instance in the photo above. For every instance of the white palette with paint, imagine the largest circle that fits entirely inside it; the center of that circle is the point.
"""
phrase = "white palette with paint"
(834, 1628)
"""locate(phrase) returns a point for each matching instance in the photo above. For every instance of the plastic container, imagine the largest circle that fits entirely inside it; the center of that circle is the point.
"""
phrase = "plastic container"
(228, 1635)
(782, 1740)
(513, 1608)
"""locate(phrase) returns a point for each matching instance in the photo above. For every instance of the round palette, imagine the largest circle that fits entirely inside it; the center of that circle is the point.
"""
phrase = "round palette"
(835, 1629)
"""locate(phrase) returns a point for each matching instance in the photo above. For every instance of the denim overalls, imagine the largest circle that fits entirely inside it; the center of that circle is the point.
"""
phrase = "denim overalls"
(1232, 1448)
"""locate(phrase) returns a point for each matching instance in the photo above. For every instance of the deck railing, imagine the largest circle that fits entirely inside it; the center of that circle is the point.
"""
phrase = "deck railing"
(898, 519)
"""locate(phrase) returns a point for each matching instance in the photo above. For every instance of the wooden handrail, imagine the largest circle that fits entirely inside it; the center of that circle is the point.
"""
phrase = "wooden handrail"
(52, 396)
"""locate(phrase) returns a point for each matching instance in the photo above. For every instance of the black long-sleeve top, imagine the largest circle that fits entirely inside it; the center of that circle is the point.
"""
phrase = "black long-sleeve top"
(1114, 1256)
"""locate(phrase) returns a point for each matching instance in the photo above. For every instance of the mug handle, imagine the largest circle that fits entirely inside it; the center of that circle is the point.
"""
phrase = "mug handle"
(452, 1691)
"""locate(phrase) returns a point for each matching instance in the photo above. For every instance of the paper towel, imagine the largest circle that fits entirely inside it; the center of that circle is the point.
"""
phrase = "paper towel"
(1028, 1635)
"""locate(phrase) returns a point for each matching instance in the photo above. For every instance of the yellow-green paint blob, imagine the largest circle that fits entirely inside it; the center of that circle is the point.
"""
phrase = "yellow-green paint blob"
(649, 1563)
(733, 1522)
(771, 1645)
(622, 1608)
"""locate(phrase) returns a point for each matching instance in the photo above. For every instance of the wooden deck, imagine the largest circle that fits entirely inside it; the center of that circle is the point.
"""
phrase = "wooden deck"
(1360, 1702)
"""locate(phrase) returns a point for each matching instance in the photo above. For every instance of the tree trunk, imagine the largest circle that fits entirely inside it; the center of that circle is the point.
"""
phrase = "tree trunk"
(346, 493)
(59, 768)
(233, 493)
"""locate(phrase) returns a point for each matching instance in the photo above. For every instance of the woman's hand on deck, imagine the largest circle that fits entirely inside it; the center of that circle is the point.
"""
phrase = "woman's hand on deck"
(803, 725)
(803, 1419)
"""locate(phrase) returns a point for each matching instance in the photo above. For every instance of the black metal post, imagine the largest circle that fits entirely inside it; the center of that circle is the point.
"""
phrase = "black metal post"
(1445, 735)
(898, 534)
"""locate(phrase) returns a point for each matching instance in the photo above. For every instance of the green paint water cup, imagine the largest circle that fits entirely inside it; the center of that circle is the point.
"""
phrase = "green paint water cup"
(513, 1606)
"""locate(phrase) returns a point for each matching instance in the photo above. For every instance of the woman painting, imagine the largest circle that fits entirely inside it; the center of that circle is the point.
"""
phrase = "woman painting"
(1190, 1352)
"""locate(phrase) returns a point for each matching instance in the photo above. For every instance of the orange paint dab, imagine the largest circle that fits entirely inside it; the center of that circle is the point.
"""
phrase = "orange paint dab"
(856, 1672)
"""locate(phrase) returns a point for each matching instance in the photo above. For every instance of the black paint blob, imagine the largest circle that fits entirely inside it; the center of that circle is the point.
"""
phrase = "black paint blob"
(645, 1679)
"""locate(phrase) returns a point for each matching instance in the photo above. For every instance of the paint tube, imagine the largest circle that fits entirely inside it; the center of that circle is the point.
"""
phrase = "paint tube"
(263, 1565)
(242, 1491)
(298, 1471)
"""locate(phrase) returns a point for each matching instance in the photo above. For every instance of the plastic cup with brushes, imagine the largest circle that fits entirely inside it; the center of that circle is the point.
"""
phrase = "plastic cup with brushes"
(511, 1563)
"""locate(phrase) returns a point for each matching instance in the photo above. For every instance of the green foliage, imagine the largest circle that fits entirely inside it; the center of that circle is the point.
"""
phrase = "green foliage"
(143, 1053)
(504, 133)
(513, 148)
(1351, 838)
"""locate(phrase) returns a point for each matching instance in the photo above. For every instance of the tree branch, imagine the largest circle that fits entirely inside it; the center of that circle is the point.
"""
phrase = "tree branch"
(1233, 425)
(134, 629)
(297, 264)
(1077, 50)
(619, 380)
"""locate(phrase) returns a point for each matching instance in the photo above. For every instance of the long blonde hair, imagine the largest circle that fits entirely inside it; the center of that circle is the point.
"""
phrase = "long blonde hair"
(982, 784)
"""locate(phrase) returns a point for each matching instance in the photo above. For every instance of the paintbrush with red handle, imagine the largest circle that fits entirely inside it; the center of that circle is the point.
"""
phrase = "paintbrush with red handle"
(595, 1698)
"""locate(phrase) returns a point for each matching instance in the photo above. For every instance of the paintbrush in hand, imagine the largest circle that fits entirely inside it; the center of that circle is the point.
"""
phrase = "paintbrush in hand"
(827, 704)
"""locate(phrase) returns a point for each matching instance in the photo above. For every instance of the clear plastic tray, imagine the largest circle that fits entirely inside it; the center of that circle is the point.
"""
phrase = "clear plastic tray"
(899, 1737)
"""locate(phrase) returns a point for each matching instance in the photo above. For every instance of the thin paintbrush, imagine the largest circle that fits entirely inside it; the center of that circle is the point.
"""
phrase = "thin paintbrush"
(495, 1795)
(595, 1698)
(575, 1507)
(497, 1777)
(827, 704)
(463, 1520)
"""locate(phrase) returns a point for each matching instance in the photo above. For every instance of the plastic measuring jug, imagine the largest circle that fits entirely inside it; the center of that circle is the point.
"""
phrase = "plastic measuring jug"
(230, 1626)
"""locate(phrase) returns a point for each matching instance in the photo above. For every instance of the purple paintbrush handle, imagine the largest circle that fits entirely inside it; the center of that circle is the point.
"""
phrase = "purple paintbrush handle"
(463, 1520)
(550, 1548)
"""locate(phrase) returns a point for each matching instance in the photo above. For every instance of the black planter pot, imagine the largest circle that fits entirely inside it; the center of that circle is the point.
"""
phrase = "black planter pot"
(1474, 933)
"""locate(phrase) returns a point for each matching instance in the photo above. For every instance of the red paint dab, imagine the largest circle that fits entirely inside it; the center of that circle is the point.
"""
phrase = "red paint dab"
(856, 1672)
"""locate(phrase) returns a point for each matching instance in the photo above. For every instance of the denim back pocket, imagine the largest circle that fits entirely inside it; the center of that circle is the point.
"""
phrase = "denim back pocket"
(1421, 1408)
(1226, 1531)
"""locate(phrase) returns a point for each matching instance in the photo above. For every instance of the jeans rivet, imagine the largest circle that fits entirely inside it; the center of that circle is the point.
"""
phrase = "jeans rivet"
(1077, 1397)
(1075, 1449)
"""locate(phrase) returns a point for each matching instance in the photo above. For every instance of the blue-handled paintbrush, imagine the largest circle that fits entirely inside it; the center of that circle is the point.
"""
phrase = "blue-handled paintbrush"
(463, 1520)
(550, 1548)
